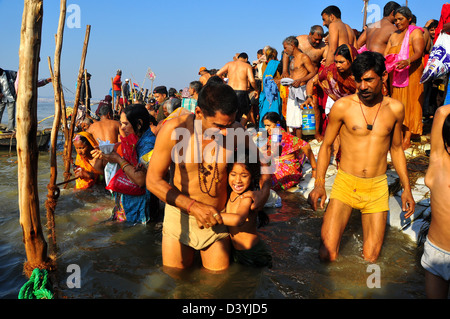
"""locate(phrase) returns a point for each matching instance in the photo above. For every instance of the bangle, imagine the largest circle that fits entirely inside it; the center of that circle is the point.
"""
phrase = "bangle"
(123, 167)
(123, 164)
(314, 169)
(190, 205)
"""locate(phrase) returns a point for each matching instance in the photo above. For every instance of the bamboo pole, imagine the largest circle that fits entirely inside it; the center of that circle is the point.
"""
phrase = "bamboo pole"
(68, 141)
(53, 191)
(27, 151)
(86, 92)
(366, 2)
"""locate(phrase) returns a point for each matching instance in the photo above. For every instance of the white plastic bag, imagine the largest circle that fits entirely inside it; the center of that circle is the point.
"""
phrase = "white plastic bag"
(439, 61)
(110, 171)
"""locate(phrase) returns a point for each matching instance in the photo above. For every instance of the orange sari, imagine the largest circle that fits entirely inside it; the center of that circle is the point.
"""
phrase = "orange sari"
(82, 162)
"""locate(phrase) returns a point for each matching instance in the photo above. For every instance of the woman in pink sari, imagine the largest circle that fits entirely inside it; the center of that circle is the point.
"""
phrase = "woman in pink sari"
(292, 155)
(404, 54)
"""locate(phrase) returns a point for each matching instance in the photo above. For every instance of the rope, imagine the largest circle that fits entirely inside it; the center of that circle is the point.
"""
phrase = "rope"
(37, 287)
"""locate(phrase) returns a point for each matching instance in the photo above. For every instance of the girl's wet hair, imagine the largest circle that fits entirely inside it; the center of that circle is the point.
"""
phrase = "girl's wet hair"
(255, 171)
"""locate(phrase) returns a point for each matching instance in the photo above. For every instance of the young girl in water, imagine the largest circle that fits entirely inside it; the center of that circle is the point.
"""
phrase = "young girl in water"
(242, 222)
(87, 169)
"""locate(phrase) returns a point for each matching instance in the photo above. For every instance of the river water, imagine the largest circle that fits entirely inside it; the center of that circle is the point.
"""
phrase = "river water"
(122, 261)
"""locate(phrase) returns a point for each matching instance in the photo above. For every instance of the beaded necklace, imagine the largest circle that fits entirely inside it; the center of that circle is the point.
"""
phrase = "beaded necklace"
(204, 172)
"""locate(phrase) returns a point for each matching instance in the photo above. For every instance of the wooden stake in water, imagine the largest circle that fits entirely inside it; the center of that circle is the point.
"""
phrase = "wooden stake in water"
(27, 150)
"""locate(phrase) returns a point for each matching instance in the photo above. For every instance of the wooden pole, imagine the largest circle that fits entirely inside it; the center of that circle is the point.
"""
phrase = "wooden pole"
(86, 92)
(53, 191)
(68, 142)
(27, 150)
(366, 2)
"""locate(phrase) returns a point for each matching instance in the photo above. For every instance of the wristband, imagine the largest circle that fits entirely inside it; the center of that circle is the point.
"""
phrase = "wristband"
(190, 205)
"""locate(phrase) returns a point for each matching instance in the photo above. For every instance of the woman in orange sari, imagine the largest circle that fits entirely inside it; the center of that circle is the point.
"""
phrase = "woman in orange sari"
(403, 55)
(87, 169)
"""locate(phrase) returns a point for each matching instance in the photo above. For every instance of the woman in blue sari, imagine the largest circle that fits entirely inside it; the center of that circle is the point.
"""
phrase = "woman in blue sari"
(269, 99)
(134, 203)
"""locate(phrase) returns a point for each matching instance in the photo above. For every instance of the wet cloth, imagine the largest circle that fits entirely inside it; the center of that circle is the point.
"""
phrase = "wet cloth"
(82, 162)
(257, 256)
(269, 99)
(136, 208)
(369, 195)
(243, 104)
(400, 78)
(436, 260)
(297, 97)
(288, 172)
(412, 95)
(184, 228)
(332, 82)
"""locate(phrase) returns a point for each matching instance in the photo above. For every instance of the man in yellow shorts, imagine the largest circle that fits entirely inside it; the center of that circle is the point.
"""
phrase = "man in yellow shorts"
(369, 125)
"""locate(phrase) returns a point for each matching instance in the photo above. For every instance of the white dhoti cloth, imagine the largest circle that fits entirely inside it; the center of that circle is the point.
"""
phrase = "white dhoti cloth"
(297, 96)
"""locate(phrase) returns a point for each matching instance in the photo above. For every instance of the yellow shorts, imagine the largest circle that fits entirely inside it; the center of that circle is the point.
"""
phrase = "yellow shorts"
(369, 195)
(183, 227)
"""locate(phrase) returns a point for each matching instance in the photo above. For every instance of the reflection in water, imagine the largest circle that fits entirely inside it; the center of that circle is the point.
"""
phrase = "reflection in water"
(118, 260)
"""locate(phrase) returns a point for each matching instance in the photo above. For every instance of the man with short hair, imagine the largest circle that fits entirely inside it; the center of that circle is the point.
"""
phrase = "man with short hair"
(301, 70)
(160, 93)
(377, 34)
(240, 74)
(312, 45)
(117, 87)
(369, 125)
(197, 191)
(190, 103)
(339, 32)
(106, 129)
(126, 89)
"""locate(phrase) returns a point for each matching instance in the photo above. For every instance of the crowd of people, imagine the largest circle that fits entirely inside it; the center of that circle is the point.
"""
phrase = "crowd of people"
(367, 98)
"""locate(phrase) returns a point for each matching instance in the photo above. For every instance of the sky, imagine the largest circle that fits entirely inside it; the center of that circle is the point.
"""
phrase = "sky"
(172, 38)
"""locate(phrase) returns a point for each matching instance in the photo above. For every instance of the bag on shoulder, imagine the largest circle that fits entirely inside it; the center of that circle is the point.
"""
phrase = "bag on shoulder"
(439, 61)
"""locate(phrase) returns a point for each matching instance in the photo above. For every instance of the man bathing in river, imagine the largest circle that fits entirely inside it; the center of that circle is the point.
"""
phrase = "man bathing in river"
(369, 125)
(197, 192)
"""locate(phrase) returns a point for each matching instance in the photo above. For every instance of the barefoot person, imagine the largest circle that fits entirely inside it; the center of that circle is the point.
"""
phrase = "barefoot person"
(436, 255)
(197, 192)
(301, 70)
(369, 126)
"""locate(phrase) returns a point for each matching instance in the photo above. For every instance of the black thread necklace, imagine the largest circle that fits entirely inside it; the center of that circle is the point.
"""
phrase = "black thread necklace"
(232, 201)
(370, 126)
